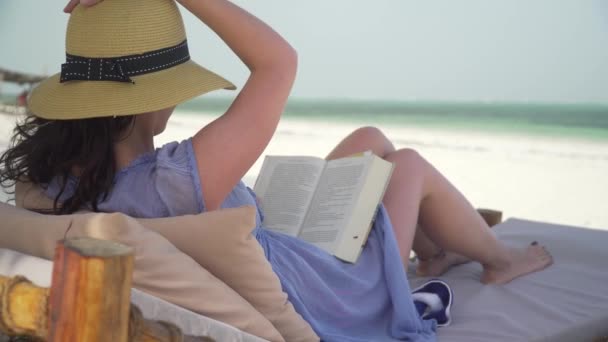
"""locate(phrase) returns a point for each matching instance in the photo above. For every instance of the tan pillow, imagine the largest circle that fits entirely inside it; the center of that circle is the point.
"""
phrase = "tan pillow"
(160, 268)
(221, 241)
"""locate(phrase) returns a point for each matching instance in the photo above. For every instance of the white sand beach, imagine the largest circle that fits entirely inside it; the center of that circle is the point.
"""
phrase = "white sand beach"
(553, 180)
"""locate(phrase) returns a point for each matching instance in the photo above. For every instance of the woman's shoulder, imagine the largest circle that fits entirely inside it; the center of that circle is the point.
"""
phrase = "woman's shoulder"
(172, 155)
(161, 183)
(175, 151)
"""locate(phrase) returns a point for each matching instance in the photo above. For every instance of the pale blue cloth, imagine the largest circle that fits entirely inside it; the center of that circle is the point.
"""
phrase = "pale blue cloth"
(366, 301)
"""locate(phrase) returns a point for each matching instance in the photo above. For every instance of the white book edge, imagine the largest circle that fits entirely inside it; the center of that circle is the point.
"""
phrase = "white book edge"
(354, 239)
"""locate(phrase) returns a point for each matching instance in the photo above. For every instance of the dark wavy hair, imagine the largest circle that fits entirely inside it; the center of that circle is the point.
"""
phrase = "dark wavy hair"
(42, 150)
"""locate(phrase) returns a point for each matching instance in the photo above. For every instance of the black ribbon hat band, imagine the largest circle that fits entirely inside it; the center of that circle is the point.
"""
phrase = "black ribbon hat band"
(119, 69)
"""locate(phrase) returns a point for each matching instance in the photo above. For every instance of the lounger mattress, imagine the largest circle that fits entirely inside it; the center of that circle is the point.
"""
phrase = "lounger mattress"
(566, 302)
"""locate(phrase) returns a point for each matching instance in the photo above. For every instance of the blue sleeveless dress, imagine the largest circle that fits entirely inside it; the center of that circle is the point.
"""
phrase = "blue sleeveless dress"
(367, 301)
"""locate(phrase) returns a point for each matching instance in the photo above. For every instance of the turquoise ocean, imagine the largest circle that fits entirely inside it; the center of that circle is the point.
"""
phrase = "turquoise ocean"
(552, 120)
(559, 121)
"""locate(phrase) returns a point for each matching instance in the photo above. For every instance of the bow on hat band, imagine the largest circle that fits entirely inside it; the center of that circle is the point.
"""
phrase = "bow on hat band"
(120, 69)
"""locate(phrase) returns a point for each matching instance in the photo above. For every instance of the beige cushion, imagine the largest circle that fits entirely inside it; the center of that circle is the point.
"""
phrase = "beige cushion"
(160, 268)
(222, 243)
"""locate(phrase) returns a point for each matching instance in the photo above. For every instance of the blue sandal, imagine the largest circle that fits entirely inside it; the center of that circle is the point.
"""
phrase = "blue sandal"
(434, 301)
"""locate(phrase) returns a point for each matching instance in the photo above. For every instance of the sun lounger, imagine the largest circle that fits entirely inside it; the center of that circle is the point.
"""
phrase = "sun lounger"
(566, 302)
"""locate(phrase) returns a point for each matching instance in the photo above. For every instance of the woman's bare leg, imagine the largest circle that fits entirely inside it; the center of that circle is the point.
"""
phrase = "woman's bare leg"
(432, 260)
(418, 192)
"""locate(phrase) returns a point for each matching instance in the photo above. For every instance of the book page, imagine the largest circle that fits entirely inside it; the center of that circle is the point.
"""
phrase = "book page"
(332, 204)
(285, 188)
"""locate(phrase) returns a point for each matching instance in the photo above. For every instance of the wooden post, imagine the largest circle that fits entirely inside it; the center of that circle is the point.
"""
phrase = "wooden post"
(25, 313)
(23, 307)
(90, 292)
(492, 217)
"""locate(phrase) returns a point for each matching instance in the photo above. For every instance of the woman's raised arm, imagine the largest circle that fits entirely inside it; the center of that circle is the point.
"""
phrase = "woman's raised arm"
(226, 148)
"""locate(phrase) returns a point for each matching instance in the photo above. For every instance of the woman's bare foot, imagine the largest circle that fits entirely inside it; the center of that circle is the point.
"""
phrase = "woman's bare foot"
(439, 264)
(521, 262)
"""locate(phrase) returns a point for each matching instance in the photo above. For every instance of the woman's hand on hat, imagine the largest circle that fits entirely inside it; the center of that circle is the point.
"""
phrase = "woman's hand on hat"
(73, 3)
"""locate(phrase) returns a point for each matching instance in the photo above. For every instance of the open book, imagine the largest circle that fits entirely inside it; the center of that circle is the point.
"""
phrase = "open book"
(330, 204)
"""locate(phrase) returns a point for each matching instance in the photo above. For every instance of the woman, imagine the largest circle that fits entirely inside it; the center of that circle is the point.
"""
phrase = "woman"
(90, 144)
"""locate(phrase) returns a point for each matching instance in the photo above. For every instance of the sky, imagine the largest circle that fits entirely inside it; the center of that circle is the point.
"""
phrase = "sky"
(403, 50)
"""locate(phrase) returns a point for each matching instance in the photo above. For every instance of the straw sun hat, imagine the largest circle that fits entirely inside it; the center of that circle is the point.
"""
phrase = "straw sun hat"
(123, 57)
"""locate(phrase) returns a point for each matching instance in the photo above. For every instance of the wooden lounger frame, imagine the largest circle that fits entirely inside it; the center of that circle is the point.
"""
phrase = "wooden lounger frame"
(89, 299)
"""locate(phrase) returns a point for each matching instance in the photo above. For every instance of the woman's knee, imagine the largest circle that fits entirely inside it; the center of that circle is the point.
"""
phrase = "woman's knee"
(411, 172)
(407, 156)
(374, 138)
